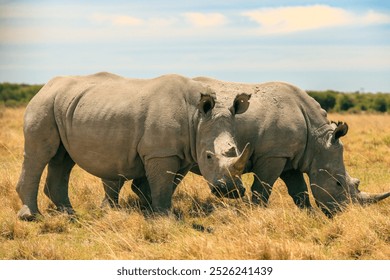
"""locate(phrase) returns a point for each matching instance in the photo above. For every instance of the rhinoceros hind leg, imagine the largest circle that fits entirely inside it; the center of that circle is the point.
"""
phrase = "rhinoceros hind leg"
(41, 141)
(27, 188)
(266, 172)
(57, 181)
(161, 174)
(297, 188)
(26, 214)
(112, 189)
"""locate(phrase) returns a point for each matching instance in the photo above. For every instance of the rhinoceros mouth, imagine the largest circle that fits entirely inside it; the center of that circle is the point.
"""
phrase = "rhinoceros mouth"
(232, 194)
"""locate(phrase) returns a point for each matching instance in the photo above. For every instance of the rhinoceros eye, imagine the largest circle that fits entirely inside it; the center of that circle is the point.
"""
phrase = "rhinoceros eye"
(209, 155)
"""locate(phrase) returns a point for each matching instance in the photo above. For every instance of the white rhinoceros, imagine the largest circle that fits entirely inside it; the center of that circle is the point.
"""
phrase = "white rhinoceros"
(291, 135)
(118, 128)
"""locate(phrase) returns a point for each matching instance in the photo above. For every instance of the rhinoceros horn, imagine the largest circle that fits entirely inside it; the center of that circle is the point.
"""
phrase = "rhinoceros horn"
(367, 198)
(240, 161)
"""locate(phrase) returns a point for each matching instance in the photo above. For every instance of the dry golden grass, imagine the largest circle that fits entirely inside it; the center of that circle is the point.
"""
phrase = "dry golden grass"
(203, 226)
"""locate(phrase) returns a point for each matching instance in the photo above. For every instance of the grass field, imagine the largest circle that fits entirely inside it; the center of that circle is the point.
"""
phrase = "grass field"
(203, 226)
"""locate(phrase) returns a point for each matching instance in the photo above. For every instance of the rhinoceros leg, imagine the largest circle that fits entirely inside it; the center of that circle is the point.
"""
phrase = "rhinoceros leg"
(161, 173)
(112, 189)
(40, 145)
(180, 176)
(141, 188)
(56, 187)
(297, 187)
(27, 188)
(266, 170)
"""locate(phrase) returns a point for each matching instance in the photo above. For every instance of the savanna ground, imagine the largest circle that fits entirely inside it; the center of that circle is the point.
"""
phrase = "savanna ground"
(203, 227)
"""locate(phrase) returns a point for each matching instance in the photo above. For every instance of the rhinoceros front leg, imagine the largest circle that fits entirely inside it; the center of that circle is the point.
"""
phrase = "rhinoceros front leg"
(141, 188)
(112, 189)
(297, 188)
(266, 170)
(161, 173)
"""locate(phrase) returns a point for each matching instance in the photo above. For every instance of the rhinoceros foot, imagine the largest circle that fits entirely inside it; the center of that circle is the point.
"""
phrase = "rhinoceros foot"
(66, 210)
(25, 214)
(258, 199)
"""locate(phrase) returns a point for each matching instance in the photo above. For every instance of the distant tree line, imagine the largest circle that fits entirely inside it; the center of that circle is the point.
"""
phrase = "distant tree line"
(14, 95)
(333, 101)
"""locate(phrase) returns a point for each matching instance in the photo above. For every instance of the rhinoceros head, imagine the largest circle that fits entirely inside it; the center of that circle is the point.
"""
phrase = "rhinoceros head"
(331, 185)
(219, 160)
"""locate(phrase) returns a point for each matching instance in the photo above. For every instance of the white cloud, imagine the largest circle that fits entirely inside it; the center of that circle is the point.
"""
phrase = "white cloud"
(372, 17)
(205, 19)
(116, 20)
(302, 18)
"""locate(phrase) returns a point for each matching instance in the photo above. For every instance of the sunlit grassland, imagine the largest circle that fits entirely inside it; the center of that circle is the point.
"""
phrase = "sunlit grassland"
(202, 226)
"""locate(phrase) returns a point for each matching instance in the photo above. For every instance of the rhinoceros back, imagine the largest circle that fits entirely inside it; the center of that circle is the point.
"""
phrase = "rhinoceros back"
(110, 125)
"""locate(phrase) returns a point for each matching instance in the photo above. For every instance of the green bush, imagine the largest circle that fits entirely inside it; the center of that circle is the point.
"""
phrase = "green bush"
(345, 102)
(13, 95)
(380, 103)
(352, 102)
(326, 99)
(2, 109)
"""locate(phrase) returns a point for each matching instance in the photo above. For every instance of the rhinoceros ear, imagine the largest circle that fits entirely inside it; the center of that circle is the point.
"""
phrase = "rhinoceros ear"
(340, 131)
(240, 104)
(206, 103)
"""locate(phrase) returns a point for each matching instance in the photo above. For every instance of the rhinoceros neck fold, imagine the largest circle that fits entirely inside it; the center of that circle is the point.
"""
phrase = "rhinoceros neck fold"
(194, 123)
(318, 129)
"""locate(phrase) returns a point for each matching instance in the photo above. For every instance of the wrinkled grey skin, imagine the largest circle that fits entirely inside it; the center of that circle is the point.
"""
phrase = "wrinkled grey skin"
(117, 129)
(291, 135)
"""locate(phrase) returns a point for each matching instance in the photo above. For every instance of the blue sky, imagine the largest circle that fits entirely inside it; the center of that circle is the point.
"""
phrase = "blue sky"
(340, 45)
